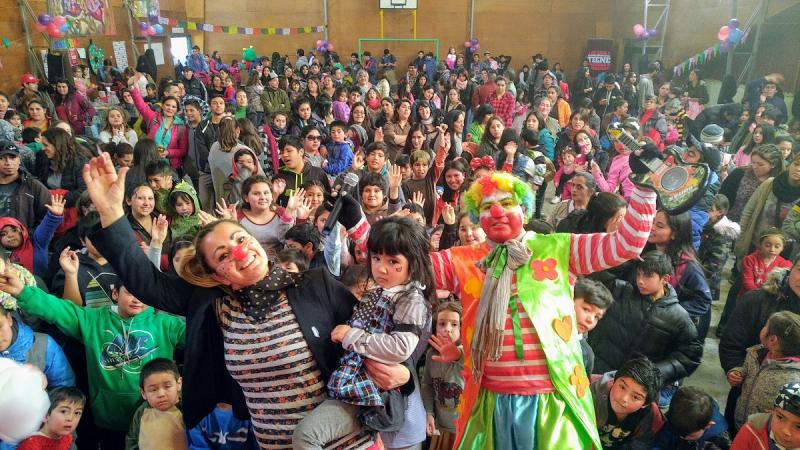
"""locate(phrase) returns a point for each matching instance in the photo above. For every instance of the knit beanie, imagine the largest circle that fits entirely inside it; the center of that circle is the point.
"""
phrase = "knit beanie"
(360, 132)
(712, 134)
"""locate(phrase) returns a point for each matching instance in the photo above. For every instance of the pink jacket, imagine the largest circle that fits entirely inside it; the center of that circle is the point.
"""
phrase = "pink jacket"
(179, 139)
(618, 174)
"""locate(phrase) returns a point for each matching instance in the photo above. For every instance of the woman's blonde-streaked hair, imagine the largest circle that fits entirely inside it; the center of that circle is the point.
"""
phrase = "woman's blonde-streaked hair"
(227, 134)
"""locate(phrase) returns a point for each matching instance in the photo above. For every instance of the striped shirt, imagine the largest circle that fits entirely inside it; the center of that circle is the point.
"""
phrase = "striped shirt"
(271, 362)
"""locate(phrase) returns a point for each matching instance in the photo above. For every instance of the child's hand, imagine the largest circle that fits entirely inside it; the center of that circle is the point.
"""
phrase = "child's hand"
(56, 206)
(378, 135)
(358, 162)
(304, 209)
(338, 333)
(447, 349)
(430, 427)
(68, 260)
(278, 186)
(395, 176)
(295, 200)
(418, 198)
(449, 214)
(734, 378)
(205, 218)
(158, 233)
(10, 282)
(226, 211)
(594, 167)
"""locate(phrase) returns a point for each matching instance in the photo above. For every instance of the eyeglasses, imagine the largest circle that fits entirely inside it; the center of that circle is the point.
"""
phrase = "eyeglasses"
(313, 138)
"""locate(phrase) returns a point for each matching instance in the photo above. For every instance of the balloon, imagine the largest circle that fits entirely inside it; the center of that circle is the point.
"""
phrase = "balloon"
(59, 20)
(151, 30)
(474, 41)
(652, 32)
(143, 26)
(152, 17)
(319, 42)
(735, 36)
(638, 30)
(41, 28)
(723, 33)
(733, 24)
(45, 19)
(64, 28)
(467, 44)
(476, 47)
(330, 47)
(158, 28)
(6, 43)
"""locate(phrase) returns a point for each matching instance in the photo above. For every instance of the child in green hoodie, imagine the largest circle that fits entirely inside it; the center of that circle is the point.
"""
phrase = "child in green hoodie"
(184, 210)
(119, 341)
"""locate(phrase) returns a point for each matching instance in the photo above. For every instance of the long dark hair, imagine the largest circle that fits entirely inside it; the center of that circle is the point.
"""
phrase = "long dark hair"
(144, 152)
(58, 98)
(248, 135)
(767, 137)
(460, 165)
(401, 236)
(421, 128)
(682, 245)
(602, 207)
(67, 151)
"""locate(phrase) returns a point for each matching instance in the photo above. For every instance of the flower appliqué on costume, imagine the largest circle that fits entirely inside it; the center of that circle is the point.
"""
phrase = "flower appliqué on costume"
(473, 288)
(579, 380)
(544, 269)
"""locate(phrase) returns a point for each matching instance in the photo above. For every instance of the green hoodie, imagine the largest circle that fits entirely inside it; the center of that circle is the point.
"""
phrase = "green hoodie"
(188, 225)
(116, 349)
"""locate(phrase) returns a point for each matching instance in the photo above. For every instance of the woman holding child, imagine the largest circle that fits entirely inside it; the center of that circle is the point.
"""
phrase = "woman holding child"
(239, 308)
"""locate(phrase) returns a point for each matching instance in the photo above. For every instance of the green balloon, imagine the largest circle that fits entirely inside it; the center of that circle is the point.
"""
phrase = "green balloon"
(6, 43)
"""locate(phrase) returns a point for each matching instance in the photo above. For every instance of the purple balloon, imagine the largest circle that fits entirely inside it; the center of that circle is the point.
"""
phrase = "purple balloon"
(143, 26)
(45, 19)
(733, 23)
(652, 32)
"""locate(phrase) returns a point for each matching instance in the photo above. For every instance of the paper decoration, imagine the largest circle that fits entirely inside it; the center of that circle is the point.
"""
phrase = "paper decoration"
(120, 54)
(707, 55)
(158, 52)
(82, 53)
(234, 29)
(44, 60)
(86, 18)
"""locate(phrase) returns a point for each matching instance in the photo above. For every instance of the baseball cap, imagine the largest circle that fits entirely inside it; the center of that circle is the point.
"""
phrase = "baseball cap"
(8, 148)
(29, 78)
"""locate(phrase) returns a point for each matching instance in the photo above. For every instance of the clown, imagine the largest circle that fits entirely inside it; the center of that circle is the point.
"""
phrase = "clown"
(525, 384)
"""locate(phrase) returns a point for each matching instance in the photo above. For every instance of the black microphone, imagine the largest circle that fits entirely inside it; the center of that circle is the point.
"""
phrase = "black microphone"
(350, 181)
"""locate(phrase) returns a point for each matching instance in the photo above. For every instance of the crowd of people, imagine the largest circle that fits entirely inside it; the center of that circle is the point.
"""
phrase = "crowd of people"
(290, 252)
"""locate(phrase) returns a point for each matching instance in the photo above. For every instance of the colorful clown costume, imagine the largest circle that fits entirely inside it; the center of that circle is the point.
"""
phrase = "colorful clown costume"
(535, 395)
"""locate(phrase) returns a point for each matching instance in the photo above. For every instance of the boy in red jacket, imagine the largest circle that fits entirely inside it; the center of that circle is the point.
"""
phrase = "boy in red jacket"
(778, 429)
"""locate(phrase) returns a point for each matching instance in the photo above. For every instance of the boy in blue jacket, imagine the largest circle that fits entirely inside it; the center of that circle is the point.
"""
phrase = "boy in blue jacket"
(340, 153)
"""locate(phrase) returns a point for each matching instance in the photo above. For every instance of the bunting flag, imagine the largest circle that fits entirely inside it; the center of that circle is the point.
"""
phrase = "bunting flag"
(233, 29)
(701, 58)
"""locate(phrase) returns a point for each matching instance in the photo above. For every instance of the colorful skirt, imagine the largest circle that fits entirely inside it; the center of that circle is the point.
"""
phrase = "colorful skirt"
(522, 422)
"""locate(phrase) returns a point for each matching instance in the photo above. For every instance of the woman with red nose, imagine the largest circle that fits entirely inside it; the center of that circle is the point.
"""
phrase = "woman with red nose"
(239, 309)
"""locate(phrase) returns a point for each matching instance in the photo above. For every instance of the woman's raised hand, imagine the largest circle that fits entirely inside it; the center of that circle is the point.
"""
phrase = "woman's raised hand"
(226, 211)
(106, 188)
(159, 231)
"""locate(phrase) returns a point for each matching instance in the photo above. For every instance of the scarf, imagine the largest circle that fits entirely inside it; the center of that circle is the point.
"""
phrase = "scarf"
(22, 255)
(499, 265)
(784, 191)
(461, 85)
(427, 121)
(259, 299)
(374, 104)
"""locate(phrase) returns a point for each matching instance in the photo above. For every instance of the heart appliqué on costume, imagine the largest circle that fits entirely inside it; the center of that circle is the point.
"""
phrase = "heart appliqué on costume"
(563, 327)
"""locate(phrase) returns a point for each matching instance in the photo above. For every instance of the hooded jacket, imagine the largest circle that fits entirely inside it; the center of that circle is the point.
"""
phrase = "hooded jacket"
(755, 434)
(274, 100)
(715, 246)
(762, 378)
(232, 188)
(32, 254)
(188, 224)
(660, 330)
(116, 349)
(56, 367)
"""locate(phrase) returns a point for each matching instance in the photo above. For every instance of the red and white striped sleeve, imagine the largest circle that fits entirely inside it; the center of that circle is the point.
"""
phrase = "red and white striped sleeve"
(591, 253)
(443, 274)
(359, 234)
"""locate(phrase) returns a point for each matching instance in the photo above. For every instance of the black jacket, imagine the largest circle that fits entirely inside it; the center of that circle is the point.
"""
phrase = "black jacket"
(204, 137)
(31, 197)
(751, 314)
(71, 178)
(195, 87)
(318, 301)
(634, 325)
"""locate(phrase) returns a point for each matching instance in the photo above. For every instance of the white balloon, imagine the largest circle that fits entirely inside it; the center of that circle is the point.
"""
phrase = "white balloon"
(23, 401)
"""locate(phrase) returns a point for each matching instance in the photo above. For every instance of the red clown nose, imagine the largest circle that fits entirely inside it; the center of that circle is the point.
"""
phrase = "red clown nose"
(496, 211)
(239, 252)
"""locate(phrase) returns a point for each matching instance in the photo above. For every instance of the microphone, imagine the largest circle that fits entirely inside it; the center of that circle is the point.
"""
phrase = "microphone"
(350, 181)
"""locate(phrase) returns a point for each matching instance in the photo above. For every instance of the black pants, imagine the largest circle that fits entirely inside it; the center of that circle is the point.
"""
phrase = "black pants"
(730, 302)
(537, 213)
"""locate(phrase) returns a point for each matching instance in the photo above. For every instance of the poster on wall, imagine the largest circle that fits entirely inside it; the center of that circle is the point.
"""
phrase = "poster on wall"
(146, 8)
(598, 53)
(85, 17)
(120, 54)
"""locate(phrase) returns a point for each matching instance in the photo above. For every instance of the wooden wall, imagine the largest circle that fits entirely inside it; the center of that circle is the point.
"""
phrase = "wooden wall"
(519, 28)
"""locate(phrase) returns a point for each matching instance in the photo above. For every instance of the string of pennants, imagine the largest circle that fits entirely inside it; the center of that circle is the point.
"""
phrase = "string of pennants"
(705, 56)
(250, 31)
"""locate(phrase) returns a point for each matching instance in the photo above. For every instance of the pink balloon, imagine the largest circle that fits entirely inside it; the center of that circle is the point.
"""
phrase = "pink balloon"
(723, 33)
(467, 44)
(59, 20)
(330, 47)
(638, 29)
(41, 28)
(319, 42)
